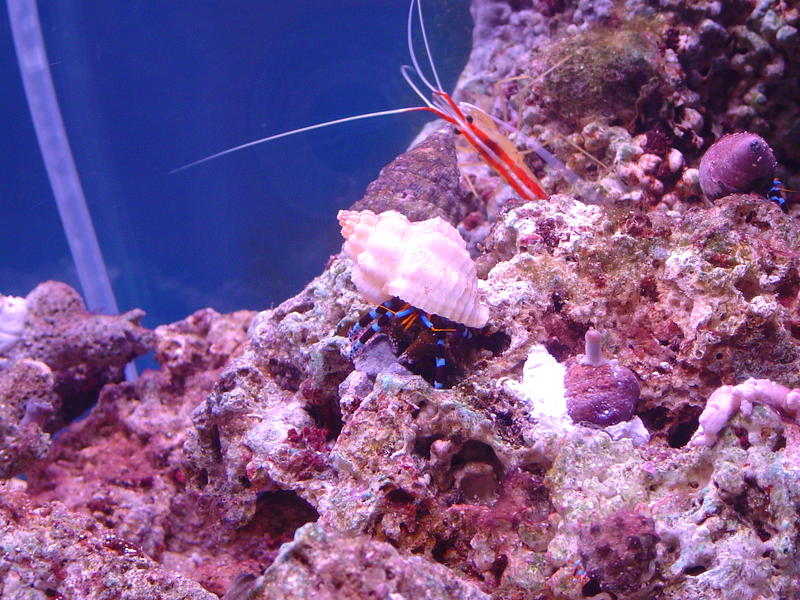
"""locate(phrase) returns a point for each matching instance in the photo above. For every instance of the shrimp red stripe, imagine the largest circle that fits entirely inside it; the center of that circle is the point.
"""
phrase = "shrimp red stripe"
(492, 153)
(485, 148)
(475, 137)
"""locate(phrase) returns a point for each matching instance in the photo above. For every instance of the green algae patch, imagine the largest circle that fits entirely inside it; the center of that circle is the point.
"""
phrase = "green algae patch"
(603, 72)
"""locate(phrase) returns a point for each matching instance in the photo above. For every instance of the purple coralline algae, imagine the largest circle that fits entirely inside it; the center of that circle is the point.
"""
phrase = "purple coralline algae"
(262, 461)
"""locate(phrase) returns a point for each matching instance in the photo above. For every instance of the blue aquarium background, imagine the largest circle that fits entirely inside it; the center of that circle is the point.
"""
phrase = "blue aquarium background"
(146, 87)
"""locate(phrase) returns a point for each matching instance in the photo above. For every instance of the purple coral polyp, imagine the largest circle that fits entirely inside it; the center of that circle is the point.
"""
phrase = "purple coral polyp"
(604, 395)
(599, 391)
(737, 163)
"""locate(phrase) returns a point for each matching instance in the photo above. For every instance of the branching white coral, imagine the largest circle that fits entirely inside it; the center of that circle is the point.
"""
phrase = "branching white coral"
(13, 313)
(728, 399)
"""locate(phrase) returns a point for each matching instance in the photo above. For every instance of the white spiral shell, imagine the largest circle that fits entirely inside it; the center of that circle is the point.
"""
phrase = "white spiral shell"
(424, 263)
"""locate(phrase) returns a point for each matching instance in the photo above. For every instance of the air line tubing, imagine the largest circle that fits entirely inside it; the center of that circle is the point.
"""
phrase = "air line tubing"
(58, 160)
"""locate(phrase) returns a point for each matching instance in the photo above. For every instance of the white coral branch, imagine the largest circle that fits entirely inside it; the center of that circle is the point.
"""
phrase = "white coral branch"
(728, 399)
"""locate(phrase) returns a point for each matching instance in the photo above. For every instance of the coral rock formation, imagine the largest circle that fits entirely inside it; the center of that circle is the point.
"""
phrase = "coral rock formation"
(84, 350)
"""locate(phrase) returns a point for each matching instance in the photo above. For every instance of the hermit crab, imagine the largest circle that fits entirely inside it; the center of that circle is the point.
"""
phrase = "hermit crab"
(425, 285)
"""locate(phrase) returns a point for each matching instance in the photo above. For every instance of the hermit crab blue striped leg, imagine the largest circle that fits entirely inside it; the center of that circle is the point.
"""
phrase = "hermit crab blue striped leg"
(441, 361)
(380, 317)
(776, 194)
(377, 319)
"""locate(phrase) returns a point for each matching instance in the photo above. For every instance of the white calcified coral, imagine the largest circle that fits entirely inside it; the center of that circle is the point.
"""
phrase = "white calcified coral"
(13, 313)
(542, 387)
(728, 399)
(424, 263)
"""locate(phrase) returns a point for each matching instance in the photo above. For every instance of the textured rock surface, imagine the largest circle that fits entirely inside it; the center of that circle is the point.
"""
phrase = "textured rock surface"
(686, 301)
(318, 565)
(50, 552)
(259, 430)
(421, 184)
(84, 351)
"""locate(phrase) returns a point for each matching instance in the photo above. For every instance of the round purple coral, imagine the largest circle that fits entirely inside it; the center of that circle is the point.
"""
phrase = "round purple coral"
(599, 391)
(737, 163)
(617, 551)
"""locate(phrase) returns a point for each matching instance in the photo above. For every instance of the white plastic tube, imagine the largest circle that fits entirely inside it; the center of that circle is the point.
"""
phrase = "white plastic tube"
(58, 160)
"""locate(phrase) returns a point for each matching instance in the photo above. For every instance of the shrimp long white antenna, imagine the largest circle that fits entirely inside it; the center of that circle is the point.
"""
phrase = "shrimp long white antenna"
(441, 105)
(420, 74)
(438, 106)
(406, 71)
(269, 138)
(494, 148)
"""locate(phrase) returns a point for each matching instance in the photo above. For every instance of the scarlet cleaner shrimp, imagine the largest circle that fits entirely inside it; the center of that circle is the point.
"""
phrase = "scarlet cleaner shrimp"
(477, 127)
